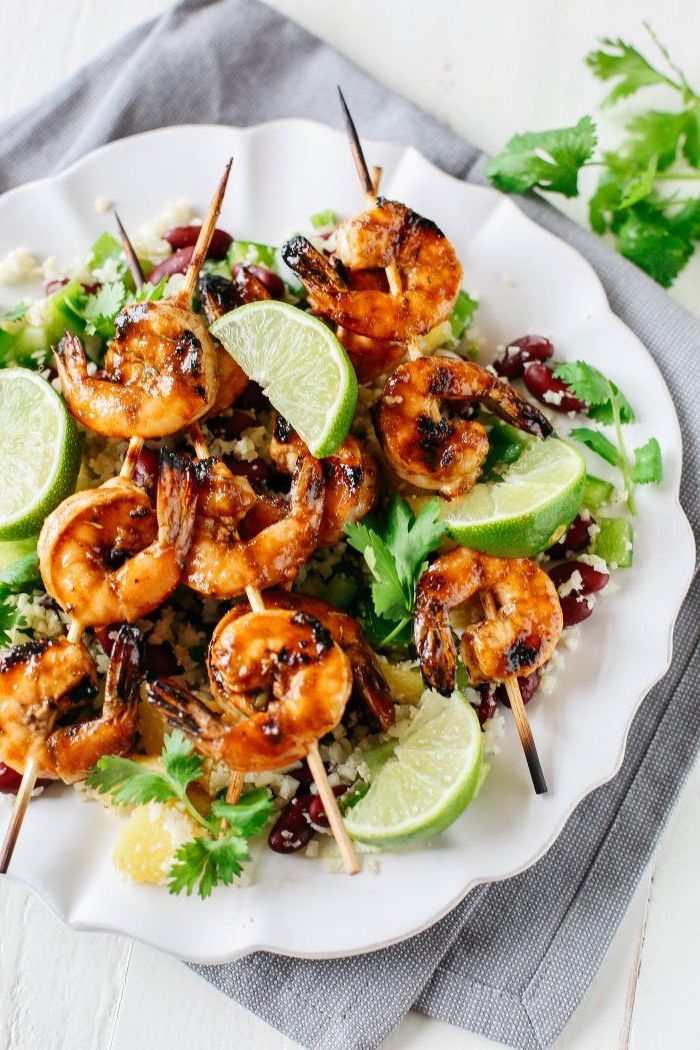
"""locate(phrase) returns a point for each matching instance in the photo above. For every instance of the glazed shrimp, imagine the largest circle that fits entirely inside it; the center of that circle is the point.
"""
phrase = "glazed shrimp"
(369, 685)
(219, 295)
(434, 452)
(430, 272)
(161, 373)
(370, 358)
(105, 555)
(283, 671)
(520, 639)
(221, 565)
(74, 749)
(351, 479)
(39, 680)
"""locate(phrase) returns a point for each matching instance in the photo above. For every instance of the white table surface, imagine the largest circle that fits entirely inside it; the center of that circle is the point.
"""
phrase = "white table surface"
(489, 68)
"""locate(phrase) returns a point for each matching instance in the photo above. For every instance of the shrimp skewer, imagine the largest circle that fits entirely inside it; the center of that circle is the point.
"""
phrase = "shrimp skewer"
(370, 187)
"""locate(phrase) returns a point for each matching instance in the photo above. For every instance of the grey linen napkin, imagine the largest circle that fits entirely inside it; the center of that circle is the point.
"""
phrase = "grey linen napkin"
(514, 959)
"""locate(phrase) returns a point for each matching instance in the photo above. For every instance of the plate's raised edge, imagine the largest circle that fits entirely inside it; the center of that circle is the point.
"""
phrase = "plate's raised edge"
(604, 310)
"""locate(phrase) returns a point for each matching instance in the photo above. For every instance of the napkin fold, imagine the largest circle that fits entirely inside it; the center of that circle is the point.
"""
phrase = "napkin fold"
(514, 959)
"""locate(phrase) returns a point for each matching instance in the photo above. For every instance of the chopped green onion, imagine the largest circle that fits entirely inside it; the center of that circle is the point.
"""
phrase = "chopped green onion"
(614, 542)
(252, 253)
(505, 446)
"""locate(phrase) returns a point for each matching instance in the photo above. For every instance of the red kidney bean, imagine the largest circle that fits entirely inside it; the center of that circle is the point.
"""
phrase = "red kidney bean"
(160, 661)
(540, 381)
(303, 774)
(292, 830)
(10, 780)
(272, 281)
(186, 237)
(257, 471)
(52, 286)
(175, 263)
(575, 608)
(90, 289)
(317, 812)
(146, 469)
(528, 683)
(574, 539)
(232, 426)
(487, 705)
(511, 365)
(591, 579)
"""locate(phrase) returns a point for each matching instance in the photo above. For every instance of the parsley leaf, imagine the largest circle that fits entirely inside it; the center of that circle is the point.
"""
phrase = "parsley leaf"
(550, 160)
(648, 466)
(619, 61)
(396, 551)
(596, 442)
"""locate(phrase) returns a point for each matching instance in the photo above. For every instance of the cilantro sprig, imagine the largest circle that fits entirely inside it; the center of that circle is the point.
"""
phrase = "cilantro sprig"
(396, 551)
(657, 231)
(609, 406)
(216, 856)
(98, 311)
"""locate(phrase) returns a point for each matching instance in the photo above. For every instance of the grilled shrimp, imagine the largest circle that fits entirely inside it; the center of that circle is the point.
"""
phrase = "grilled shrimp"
(370, 358)
(283, 671)
(389, 233)
(221, 565)
(105, 555)
(219, 295)
(38, 680)
(74, 749)
(519, 640)
(369, 685)
(351, 479)
(161, 373)
(434, 452)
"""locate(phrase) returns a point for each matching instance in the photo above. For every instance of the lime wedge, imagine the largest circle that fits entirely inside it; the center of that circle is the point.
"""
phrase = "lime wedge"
(540, 494)
(434, 774)
(40, 452)
(301, 366)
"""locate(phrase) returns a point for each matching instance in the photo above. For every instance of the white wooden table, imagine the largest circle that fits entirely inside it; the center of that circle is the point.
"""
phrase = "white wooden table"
(488, 67)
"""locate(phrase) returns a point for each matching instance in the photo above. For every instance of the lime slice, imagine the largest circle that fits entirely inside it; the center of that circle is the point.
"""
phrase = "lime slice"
(40, 452)
(435, 772)
(540, 494)
(301, 366)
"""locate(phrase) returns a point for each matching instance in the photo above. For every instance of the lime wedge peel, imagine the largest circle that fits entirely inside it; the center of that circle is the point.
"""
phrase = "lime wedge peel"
(298, 361)
(435, 772)
(40, 452)
(517, 517)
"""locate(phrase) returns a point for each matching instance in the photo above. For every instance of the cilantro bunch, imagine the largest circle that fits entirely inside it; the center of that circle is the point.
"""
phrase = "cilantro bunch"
(396, 551)
(99, 311)
(217, 855)
(609, 406)
(656, 230)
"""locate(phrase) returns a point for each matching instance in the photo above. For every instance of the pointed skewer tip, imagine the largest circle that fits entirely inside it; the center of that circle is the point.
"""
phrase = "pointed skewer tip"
(356, 147)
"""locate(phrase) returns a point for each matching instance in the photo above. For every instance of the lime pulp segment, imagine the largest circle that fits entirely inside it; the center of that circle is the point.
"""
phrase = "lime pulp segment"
(434, 774)
(41, 452)
(300, 364)
(517, 516)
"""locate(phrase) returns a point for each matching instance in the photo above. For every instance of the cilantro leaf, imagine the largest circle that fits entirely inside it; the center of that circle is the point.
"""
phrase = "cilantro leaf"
(600, 393)
(205, 863)
(649, 241)
(648, 465)
(99, 311)
(21, 575)
(249, 815)
(691, 145)
(686, 222)
(596, 442)
(129, 783)
(656, 136)
(180, 762)
(550, 160)
(396, 553)
(619, 61)
(9, 617)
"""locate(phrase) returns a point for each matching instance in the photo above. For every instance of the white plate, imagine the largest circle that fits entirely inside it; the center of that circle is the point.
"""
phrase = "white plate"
(528, 281)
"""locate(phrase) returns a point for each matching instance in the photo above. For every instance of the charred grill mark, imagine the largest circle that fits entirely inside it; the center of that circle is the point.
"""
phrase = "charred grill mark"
(352, 477)
(322, 636)
(138, 513)
(440, 381)
(189, 349)
(19, 654)
(522, 653)
(283, 431)
(219, 295)
(432, 439)
(128, 319)
(200, 391)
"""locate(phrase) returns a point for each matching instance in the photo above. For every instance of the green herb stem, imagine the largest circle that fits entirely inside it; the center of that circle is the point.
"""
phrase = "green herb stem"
(624, 461)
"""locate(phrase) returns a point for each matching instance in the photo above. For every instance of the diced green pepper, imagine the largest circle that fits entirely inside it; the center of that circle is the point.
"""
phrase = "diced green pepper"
(105, 247)
(462, 314)
(353, 796)
(376, 757)
(596, 492)
(614, 542)
(19, 340)
(505, 446)
(252, 253)
(323, 218)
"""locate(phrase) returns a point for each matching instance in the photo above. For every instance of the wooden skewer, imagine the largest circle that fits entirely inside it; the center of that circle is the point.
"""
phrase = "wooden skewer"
(29, 779)
(370, 183)
(131, 256)
(205, 235)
